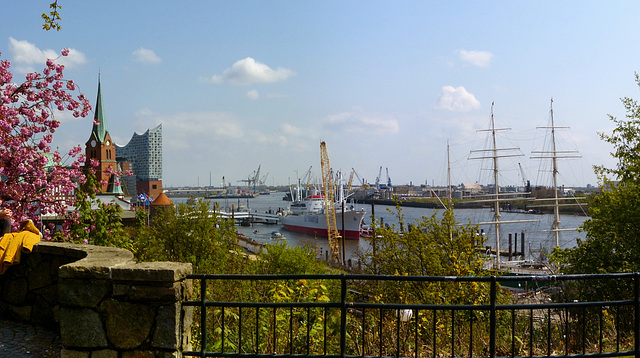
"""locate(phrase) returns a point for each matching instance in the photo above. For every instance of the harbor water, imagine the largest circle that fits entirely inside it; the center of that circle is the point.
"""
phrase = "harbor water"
(538, 238)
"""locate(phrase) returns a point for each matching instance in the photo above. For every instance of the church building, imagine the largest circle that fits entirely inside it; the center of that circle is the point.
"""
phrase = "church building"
(142, 156)
(101, 148)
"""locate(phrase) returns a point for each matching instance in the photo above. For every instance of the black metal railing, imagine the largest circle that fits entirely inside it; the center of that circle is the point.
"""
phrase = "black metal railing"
(334, 316)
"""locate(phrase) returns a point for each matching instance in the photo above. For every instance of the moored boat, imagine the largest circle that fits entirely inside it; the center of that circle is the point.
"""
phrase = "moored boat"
(308, 216)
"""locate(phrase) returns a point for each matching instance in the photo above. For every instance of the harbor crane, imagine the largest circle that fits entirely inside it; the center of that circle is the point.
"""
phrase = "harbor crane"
(328, 186)
(350, 182)
(264, 179)
(307, 176)
(298, 195)
(363, 183)
(383, 186)
(253, 179)
(525, 183)
(388, 179)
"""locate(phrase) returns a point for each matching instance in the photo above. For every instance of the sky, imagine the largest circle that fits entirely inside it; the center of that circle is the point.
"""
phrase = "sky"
(388, 85)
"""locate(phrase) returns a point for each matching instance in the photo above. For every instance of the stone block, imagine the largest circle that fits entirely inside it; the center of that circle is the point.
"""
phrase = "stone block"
(187, 321)
(144, 293)
(15, 291)
(73, 270)
(31, 260)
(48, 293)
(167, 331)
(187, 289)
(97, 263)
(105, 353)
(22, 313)
(81, 328)
(139, 354)
(69, 353)
(40, 276)
(56, 313)
(128, 324)
(152, 272)
(83, 293)
(42, 311)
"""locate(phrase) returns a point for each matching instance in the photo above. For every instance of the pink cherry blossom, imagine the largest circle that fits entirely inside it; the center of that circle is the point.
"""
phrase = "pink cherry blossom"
(35, 178)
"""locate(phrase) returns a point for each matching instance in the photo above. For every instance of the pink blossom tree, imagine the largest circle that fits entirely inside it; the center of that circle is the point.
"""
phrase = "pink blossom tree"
(33, 178)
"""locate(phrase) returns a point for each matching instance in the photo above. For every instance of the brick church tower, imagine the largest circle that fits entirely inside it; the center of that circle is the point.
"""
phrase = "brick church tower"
(100, 148)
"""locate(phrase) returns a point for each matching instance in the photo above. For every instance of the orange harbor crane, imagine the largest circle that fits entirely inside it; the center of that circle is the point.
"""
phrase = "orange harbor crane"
(329, 203)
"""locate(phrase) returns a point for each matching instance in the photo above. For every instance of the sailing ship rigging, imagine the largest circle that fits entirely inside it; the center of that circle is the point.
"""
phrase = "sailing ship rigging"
(494, 153)
(559, 199)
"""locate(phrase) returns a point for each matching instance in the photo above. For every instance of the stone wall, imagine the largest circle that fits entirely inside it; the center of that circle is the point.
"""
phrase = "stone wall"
(104, 303)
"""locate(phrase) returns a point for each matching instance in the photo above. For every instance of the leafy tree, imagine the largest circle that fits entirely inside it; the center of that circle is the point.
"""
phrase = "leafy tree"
(189, 233)
(430, 247)
(279, 258)
(35, 179)
(611, 243)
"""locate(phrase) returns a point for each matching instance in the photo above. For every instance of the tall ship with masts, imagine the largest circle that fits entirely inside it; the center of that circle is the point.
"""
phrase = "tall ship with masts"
(555, 199)
(551, 154)
(494, 153)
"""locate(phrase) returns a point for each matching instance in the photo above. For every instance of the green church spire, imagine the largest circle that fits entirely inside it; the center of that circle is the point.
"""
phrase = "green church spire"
(100, 123)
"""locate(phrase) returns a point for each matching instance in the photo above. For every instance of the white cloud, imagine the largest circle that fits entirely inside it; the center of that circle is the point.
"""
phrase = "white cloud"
(476, 58)
(247, 71)
(253, 94)
(262, 138)
(25, 56)
(144, 55)
(292, 130)
(357, 121)
(456, 100)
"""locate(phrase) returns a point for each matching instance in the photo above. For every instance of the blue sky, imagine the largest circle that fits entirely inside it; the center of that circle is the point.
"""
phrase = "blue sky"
(238, 84)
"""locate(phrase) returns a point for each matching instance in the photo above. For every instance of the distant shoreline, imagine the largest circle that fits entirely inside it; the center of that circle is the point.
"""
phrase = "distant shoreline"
(413, 203)
(418, 204)
(430, 203)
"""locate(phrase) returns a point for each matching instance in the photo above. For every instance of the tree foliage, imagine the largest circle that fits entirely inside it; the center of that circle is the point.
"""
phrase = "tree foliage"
(280, 258)
(432, 246)
(611, 243)
(188, 233)
(51, 19)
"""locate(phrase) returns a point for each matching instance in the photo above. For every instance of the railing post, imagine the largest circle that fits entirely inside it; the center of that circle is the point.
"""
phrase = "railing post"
(636, 333)
(203, 316)
(343, 315)
(492, 318)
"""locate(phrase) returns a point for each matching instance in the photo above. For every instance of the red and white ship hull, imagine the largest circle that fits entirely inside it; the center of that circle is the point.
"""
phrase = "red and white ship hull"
(316, 223)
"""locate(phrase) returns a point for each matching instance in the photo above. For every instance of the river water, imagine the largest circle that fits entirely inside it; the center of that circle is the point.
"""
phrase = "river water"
(538, 239)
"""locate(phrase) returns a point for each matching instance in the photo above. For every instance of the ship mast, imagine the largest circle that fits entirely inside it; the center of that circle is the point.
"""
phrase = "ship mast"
(556, 206)
(554, 154)
(496, 204)
(494, 153)
(449, 178)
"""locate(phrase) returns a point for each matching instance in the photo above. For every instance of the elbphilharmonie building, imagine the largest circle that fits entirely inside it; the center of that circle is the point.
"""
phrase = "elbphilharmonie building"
(144, 153)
